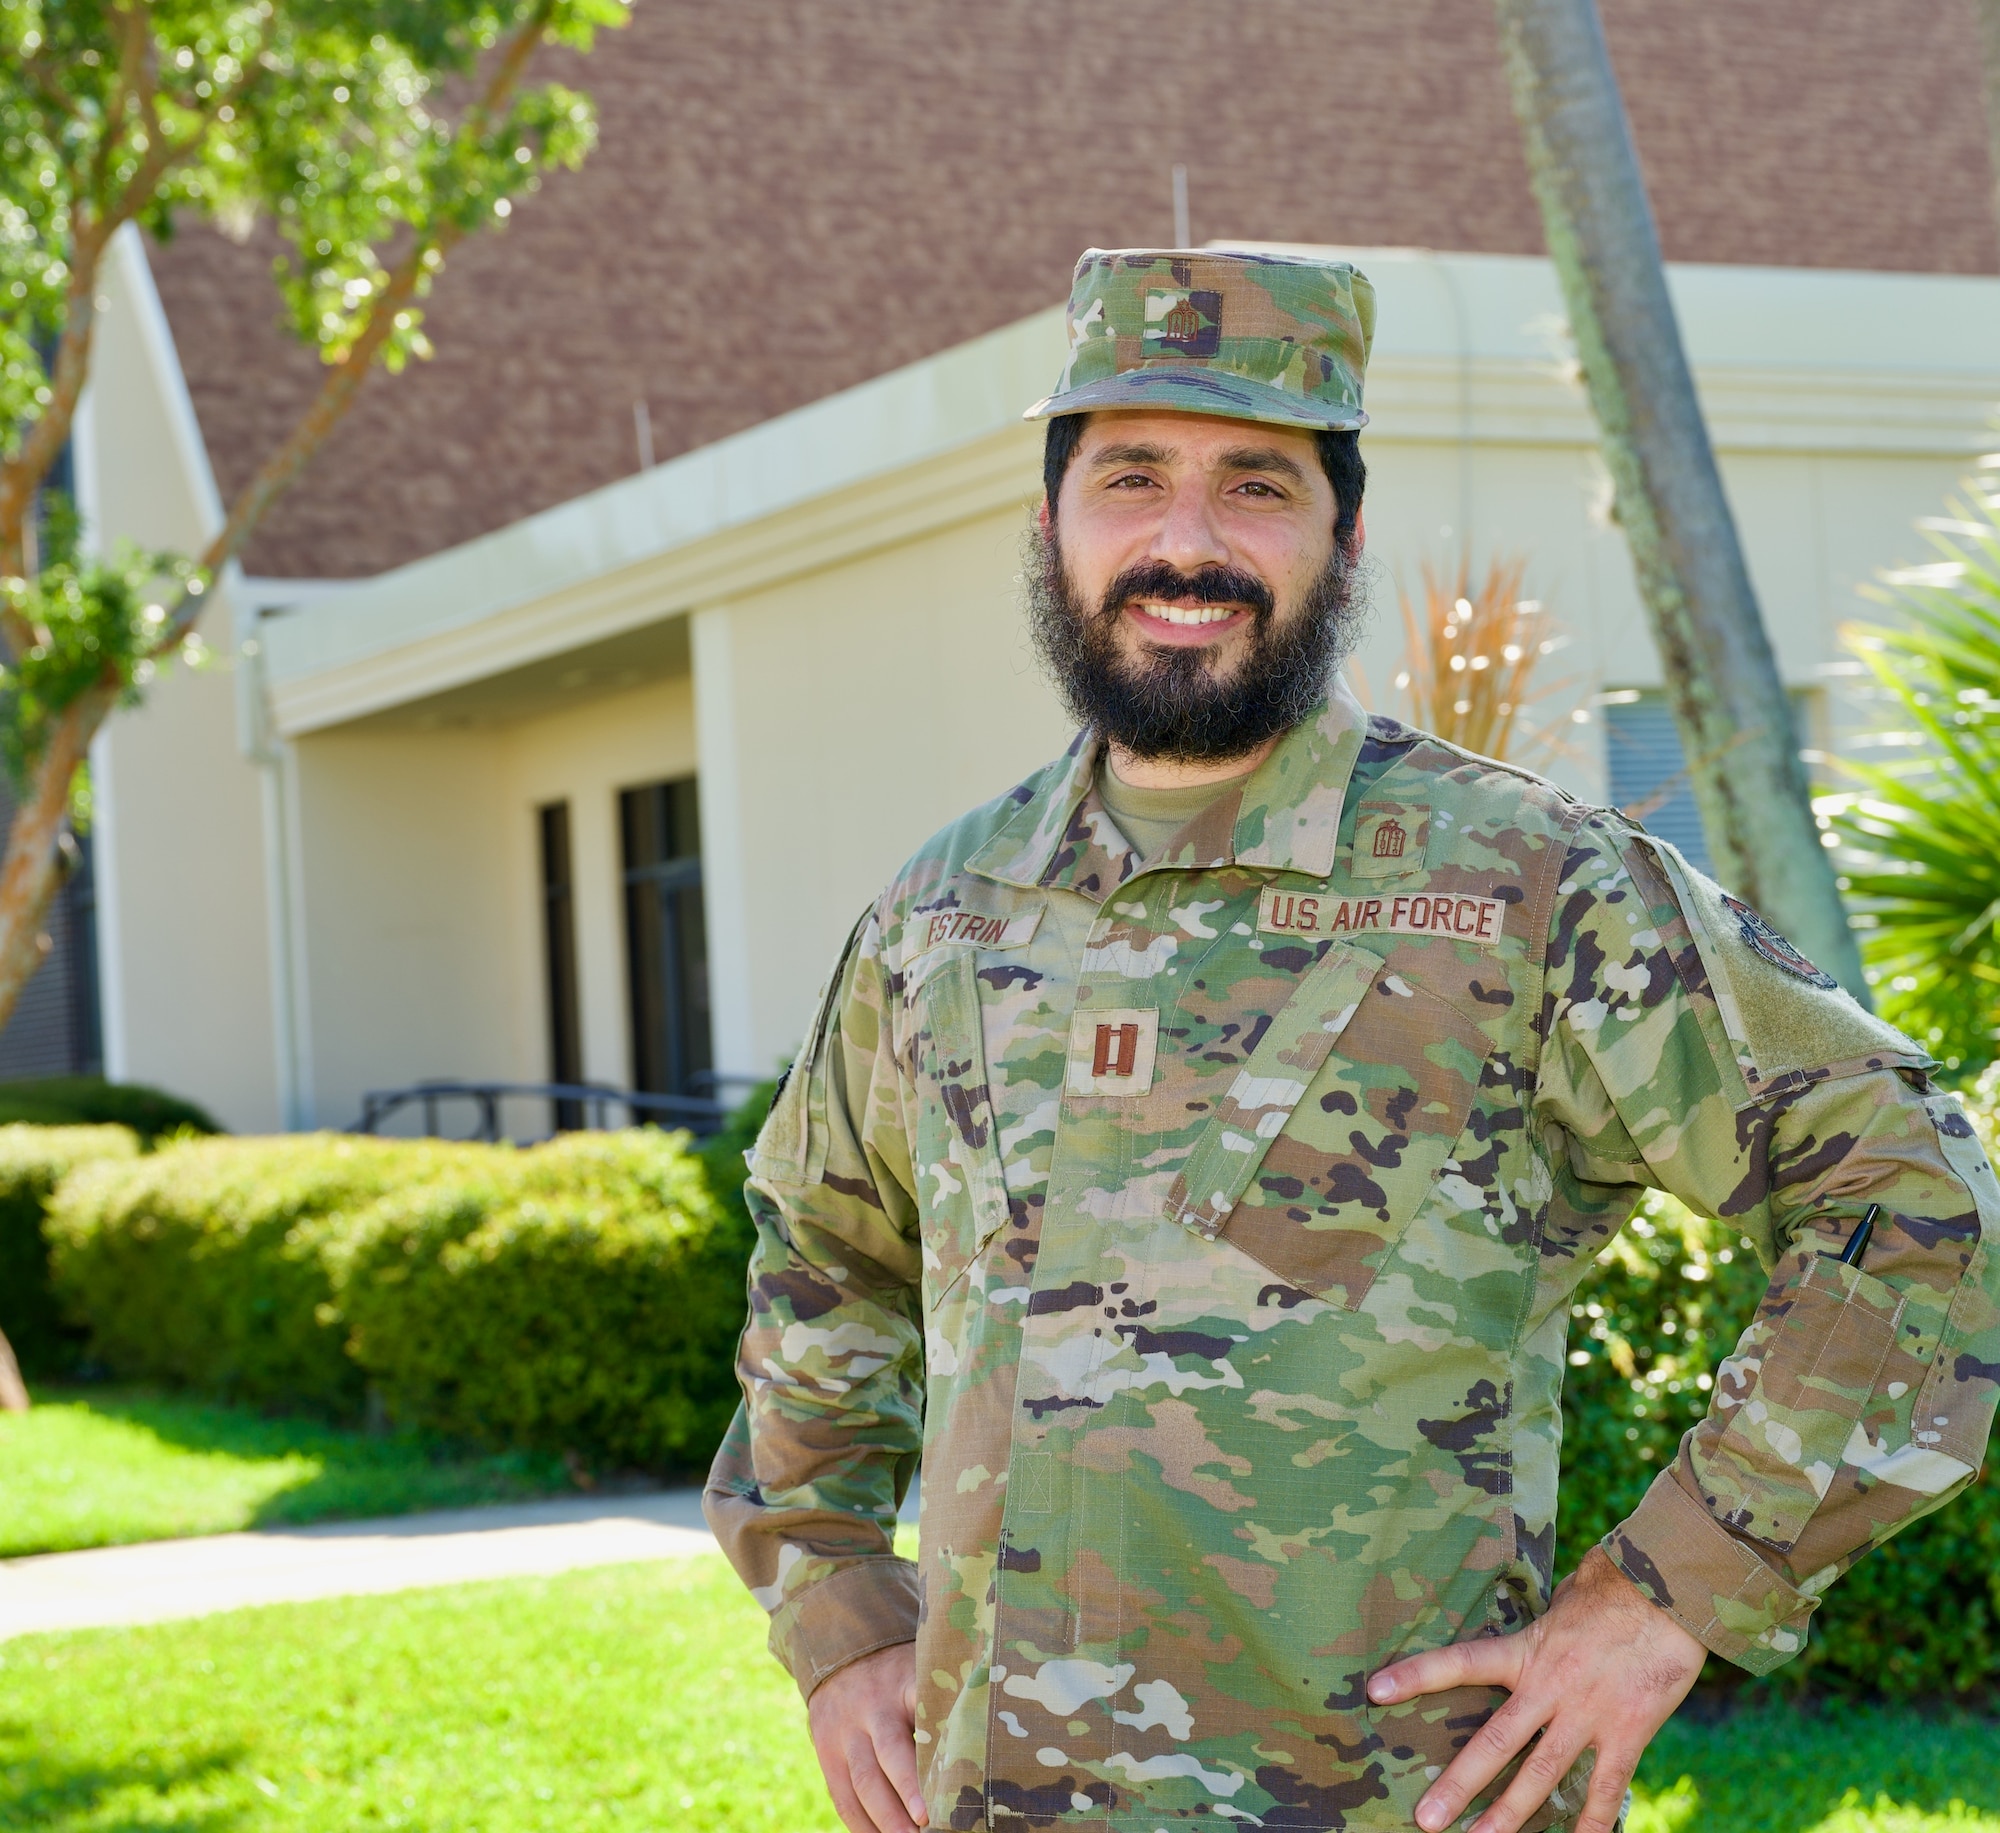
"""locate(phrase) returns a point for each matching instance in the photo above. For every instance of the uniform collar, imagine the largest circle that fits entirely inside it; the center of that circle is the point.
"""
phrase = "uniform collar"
(1285, 816)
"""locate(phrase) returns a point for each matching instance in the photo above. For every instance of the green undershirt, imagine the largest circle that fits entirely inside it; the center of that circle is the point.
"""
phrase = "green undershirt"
(1149, 818)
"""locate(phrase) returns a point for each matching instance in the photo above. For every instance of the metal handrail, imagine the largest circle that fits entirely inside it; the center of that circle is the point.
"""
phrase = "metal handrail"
(699, 1114)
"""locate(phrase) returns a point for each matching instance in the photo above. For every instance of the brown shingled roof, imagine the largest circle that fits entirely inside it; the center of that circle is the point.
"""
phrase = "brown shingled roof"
(793, 195)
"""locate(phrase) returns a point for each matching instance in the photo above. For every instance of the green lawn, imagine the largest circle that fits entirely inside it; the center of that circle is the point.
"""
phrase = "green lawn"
(640, 1697)
(1825, 1768)
(632, 1697)
(95, 1467)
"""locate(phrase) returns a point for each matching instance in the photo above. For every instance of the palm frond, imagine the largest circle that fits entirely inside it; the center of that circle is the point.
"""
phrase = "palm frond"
(1920, 835)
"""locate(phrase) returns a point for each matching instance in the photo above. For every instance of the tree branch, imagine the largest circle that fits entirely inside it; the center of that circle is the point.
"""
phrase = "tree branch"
(42, 75)
(21, 475)
(30, 870)
(337, 392)
(92, 225)
(478, 122)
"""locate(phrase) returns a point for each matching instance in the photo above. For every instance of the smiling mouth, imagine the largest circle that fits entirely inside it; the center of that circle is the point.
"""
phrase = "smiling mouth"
(1185, 617)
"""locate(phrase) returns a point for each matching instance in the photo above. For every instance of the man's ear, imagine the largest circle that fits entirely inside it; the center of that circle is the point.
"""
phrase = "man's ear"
(1042, 516)
(1359, 538)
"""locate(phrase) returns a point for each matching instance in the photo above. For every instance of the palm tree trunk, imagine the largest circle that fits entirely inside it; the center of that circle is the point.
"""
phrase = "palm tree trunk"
(1722, 680)
(1988, 14)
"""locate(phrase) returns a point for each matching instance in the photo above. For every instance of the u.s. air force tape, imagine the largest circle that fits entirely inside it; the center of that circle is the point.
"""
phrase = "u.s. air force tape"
(1478, 920)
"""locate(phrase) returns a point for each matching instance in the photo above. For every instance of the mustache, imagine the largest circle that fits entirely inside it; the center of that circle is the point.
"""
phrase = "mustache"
(1214, 585)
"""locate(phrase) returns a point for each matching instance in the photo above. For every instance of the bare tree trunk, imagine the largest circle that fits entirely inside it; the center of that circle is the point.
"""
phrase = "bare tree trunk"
(1722, 680)
(1987, 12)
(13, 1390)
(33, 865)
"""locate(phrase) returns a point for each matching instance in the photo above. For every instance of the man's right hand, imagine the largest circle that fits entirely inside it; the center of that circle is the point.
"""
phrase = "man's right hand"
(864, 1720)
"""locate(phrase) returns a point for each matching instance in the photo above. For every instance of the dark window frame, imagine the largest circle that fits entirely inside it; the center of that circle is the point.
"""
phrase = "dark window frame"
(666, 942)
(564, 1007)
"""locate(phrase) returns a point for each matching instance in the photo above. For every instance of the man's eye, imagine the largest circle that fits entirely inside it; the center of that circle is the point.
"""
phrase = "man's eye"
(1257, 487)
(1131, 477)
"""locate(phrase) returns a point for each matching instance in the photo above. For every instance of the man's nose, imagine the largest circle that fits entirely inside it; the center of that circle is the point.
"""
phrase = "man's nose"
(1188, 537)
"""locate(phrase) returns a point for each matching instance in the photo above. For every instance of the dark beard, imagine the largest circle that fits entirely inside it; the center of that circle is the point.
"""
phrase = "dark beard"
(1166, 704)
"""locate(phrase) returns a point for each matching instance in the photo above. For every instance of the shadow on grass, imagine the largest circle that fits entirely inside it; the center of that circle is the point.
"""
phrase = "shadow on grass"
(359, 1473)
(1778, 1767)
(39, 1789)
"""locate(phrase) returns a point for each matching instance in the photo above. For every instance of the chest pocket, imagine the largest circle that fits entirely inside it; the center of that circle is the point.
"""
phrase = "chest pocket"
(962, 1196)
(1337, 1128)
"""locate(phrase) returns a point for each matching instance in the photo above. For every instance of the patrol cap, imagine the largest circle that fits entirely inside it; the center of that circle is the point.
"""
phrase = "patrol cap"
(1280, 338)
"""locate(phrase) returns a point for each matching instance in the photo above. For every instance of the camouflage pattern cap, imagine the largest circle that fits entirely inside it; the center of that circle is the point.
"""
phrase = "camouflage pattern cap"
(1280, 338)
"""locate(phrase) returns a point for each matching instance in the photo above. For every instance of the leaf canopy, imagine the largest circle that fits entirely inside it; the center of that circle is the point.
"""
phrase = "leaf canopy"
(348, 126)
(1921, 833)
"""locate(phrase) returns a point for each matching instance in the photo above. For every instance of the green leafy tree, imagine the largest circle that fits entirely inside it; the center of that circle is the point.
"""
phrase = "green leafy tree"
(1922, 833)
(374, 137)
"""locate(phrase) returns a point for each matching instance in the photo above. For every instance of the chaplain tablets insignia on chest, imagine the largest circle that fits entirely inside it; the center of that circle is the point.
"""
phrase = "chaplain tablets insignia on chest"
(1478, 920)
(1766, 941)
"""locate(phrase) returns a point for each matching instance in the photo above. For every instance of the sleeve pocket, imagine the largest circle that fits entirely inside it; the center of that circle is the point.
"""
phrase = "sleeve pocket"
(963, 1191)
(1805, 1373)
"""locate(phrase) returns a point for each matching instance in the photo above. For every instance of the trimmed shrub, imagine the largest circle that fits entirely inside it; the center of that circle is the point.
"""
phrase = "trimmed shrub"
(583, 1296)
(579, 1298)
(202, 1265)
(1665, 1303)
(722, 1155)
(33, 1161)
(68, 1101)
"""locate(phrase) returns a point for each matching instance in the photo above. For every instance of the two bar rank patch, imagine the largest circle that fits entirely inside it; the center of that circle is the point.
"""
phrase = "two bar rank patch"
(1111, 1053)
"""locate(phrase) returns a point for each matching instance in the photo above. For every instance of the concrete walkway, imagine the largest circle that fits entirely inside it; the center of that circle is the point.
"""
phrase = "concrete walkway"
(163, 1579)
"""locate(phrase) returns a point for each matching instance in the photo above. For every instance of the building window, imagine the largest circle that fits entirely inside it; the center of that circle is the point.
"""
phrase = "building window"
(666, 944)
(1647, 769)
(55, 1027)
(559, 962)
(1647, 772)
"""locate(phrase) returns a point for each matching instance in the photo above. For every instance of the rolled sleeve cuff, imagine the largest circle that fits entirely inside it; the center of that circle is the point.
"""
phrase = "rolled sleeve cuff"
(1718, 1588)
(852, 1612)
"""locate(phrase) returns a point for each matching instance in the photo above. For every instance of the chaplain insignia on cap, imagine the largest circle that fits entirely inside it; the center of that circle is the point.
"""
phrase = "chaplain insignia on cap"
(1279, 338)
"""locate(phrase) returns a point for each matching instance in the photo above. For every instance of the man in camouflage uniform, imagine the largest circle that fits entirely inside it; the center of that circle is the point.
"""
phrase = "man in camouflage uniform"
(1192, 1161)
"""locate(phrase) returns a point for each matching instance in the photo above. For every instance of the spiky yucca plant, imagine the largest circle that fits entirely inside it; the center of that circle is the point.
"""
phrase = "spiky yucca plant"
(1470, 658)
(1921, 835)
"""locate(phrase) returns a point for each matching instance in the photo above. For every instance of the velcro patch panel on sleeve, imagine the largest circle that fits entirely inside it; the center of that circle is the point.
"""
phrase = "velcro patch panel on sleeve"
(1478, 920)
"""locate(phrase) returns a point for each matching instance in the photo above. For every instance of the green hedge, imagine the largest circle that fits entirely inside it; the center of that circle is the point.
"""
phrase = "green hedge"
(204, 1264)
(582, 1296)
(1666, 1303)
(33, 1161)
(574, 1298)
(74, 1101)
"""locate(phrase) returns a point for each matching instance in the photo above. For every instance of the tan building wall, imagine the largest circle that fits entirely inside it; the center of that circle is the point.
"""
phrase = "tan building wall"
(183, 921)
(821, 620)
(868, 705)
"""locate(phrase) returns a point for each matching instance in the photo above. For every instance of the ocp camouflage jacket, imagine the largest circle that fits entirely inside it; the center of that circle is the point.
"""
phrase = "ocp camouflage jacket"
(1208, 1224)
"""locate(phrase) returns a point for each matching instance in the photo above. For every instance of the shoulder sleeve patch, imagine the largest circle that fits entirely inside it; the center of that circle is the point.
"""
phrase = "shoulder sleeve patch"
(1785, 1017)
